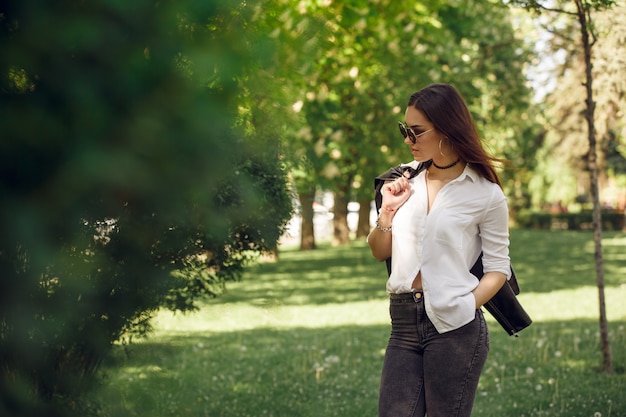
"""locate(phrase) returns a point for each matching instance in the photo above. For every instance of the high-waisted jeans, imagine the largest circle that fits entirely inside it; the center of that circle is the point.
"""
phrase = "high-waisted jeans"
(428, 373)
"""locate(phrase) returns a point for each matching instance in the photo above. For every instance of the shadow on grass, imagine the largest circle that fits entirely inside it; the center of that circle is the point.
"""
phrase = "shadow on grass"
(544, 261)
(555, 260)
(325, 275)
(550, 370)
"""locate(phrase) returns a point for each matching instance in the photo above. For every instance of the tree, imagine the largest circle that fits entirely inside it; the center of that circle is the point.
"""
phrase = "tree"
(294, 36)
(561, 172)
(582, 12)
(130, 179)
(368, 58)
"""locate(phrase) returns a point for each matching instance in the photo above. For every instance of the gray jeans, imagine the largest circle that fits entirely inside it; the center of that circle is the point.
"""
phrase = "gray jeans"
(425, 372)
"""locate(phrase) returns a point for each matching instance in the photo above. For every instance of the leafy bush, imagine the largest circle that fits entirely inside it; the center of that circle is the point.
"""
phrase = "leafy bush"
(527, 219)
(583, 220)
(125, 186)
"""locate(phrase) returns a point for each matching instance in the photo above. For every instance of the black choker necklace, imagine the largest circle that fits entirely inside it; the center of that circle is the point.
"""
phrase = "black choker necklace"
(447, 166)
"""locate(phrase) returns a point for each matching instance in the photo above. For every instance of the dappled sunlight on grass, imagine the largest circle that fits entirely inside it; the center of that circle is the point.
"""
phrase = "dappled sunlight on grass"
(334, 371)
(556, 367)
(301, 372)
(344, 274)
(305, 336)
(580, 302)
(569, 304)
(618, 240)
(242, 316)
(548, 260)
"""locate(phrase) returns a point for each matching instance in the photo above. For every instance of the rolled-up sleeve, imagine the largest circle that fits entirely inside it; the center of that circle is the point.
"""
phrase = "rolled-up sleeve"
(494, 233)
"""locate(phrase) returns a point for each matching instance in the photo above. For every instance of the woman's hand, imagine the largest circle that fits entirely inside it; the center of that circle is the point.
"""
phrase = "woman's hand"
(395, 193)
(487, 287)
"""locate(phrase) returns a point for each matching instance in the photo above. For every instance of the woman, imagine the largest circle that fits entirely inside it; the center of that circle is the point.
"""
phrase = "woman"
(433, 227)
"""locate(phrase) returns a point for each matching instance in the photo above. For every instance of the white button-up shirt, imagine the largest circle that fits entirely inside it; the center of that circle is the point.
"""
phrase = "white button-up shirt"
(469, 215)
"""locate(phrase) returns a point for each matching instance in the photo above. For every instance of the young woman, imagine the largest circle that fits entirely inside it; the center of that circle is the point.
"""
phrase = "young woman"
(433, 227)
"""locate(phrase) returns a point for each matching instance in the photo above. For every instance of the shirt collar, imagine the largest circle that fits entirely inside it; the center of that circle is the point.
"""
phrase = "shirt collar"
(468, 172)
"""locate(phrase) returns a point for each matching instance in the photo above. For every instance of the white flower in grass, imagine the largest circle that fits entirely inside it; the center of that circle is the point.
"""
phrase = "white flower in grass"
(332, 359)
(597, 414)
(538, 387)
(558, 354)
(530, 371)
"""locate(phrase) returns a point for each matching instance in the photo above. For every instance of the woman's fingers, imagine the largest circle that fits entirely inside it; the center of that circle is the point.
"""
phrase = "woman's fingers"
(398, 186)
(395, 193)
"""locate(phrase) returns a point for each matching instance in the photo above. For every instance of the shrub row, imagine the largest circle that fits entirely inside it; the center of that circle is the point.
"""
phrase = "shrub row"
(583, 220)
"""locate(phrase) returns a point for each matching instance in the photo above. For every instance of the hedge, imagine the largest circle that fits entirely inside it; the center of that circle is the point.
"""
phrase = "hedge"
(611, 220)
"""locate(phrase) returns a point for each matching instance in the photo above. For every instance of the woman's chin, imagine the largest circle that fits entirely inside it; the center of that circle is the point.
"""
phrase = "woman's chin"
(420, 158)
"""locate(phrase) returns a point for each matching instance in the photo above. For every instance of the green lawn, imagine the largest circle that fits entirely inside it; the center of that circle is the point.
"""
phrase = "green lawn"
(305, 336)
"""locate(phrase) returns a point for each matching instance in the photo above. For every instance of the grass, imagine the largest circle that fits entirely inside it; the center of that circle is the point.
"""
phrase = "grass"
(305, 336)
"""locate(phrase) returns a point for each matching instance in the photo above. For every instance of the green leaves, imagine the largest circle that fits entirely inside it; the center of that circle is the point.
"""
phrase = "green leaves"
(122, 160)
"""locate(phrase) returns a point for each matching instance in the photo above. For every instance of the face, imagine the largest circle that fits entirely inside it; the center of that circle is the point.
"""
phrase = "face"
(426, 144)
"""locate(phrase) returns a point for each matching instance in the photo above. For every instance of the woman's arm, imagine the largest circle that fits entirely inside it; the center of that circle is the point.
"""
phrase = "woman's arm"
(494, 233)
(380, 241)
(488, 286)
(394, 193)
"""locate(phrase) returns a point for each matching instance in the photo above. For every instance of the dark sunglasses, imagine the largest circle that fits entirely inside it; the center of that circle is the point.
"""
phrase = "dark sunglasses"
(407, 131)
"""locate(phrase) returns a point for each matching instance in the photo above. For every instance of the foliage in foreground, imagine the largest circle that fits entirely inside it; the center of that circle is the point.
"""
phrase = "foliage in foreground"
(118, 167)
(305, 337)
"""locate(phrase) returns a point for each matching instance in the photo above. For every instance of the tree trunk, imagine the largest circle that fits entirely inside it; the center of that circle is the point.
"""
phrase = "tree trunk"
(363, 225)
(307, 230)
(583, 11)
(341, 231)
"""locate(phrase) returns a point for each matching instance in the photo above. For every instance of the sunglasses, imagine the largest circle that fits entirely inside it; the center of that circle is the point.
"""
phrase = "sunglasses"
(408, 131)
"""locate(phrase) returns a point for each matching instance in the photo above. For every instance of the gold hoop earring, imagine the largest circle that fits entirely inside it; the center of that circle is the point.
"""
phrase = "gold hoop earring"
(442, 154)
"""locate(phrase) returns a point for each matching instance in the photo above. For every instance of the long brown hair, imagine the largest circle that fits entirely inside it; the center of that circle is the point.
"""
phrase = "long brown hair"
(444, 106)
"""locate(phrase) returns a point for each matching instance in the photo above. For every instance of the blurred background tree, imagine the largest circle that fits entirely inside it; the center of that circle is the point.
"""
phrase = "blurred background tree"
(582, 15)
(131, 179)
(363, 59)
(562, 167)
(368, 58)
